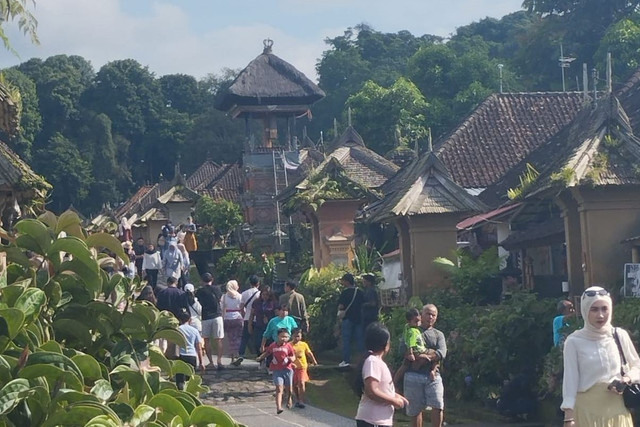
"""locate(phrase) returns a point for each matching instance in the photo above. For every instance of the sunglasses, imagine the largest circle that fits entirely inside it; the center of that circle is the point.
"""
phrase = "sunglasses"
(602, 292)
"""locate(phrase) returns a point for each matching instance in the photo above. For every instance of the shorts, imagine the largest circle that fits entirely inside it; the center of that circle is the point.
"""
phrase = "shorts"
(422, 392)
(213, 328)
(300, 376)
(283, 377)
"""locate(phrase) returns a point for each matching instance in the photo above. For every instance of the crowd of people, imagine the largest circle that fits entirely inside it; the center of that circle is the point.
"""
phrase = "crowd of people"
(600, 361)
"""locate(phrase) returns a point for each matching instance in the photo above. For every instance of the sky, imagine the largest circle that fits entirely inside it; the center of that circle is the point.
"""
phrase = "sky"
(199, 37)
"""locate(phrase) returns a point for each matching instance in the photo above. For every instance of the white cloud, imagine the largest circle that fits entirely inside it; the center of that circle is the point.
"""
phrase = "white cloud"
(169, 37)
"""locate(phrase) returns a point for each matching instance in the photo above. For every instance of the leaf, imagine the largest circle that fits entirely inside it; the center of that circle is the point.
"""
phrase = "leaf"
(36, 230)
(53, 374)
(74, 246)
(172, 335)
(88, 365)
(181, 367)
(204, 416)
(107, 241)
(195, 387)
(74, 396)
(16, 255)
(157, 358)
(49, 219)
(10, 395)
(79, 414)
(56, 359)
(170, 406)
(14, 321)
(102, 390)
(102, 421)
(31, 303)
(65, 222)
(142, 414)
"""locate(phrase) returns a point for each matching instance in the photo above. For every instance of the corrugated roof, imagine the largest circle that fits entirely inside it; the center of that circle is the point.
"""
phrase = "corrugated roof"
(501, 132)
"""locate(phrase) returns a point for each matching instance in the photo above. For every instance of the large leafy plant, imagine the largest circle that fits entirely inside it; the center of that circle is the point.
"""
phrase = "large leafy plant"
(75, 347)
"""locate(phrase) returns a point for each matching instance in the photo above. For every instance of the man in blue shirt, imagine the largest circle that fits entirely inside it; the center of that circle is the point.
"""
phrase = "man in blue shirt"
(565, 311)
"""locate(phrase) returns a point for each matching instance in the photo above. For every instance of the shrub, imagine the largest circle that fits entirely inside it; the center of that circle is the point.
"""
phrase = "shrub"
(321, 289)
(76, 348)
(237, 265)
(223, 215)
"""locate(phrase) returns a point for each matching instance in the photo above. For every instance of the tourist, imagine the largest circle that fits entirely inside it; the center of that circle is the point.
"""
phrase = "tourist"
(262, 312)
(233, 319)
(282, 320)
(195, 309)
(172, 262)
(186, 264)
(594, 374)
(151, 264)
(565, 312)
(300, 374)
(129, 267)
(414, 346)
(371, 303)
(147, 294)
(190, 239)
(161, 245)
(421, 387)
(191, 353)
(374, 384)
(248, 298)
(124, 230)
(171, 298)
(138, 249)
(209, 296)
(350, 312)
(297, 305)
(281, 365)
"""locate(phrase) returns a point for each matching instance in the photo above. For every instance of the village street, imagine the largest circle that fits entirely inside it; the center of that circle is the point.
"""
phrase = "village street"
(247, 394)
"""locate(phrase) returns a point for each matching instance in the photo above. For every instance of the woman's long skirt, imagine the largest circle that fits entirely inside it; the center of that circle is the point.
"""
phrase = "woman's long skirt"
(233, 333)
(599, 407)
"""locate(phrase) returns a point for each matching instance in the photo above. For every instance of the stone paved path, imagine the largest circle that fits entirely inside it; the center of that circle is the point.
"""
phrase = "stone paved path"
(247, 394)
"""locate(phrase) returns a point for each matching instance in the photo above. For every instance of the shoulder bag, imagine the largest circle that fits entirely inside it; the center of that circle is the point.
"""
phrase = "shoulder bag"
(342, 313)
(631, 393)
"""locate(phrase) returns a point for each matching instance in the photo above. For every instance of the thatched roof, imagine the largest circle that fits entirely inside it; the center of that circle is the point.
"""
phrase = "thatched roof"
(423, 187)
(18, 176)
(269, 80)
(9, 111)
(502, 131)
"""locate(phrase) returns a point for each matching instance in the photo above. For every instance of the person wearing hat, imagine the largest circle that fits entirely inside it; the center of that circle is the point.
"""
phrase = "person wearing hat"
(594, 374)
(350, 311)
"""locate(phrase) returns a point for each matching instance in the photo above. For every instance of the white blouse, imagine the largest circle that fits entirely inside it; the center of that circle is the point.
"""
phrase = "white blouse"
(587, 362)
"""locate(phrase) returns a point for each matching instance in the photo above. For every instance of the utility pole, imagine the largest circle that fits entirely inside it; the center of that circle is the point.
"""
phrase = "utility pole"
(500, 67)
(564, 62)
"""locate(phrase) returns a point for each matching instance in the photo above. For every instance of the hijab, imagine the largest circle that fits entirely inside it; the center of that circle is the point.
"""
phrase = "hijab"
(232, 289)
(590, 331)
(173, 257)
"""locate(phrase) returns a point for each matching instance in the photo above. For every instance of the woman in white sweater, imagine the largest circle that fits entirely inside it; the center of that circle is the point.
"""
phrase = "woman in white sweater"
(591, 388)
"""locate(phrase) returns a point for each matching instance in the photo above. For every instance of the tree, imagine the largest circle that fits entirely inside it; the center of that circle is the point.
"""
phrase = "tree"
(63, 166)
(222, 215)
(30, 118)
(379, 112)
(622, 39)
(182, 93)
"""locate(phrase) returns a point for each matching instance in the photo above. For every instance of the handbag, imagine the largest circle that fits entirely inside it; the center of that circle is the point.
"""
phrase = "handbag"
(631, 393)
(342, 313)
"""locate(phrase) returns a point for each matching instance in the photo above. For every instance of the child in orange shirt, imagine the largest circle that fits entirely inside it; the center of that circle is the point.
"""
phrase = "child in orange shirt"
(300, 375)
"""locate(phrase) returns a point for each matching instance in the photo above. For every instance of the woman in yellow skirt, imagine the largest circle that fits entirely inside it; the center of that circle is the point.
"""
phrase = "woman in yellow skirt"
(593, 379)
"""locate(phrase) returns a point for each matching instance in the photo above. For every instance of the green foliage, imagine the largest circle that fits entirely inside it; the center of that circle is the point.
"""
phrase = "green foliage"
(237, 265)
(472, 277)
(527, 179)
(367, 259)
(11, 10)
(322, 288)
(564, 177)
(75, 346)
(223, 215)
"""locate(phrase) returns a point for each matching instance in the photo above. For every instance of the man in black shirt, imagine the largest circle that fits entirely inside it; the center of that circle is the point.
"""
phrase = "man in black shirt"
(350, 304)
(171, 298)
(209, 296)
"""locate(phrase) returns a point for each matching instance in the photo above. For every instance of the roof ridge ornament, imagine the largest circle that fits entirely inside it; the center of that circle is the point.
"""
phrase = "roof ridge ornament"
(268, 45)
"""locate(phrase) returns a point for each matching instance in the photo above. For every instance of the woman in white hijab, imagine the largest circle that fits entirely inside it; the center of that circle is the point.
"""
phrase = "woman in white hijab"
(233, 316)
(592, 367)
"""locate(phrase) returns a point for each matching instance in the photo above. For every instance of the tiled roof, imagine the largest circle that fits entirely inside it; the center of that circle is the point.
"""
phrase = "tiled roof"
(598, 148)
(218, 181)
(502, 131)
(629, 96)
(423, 187)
